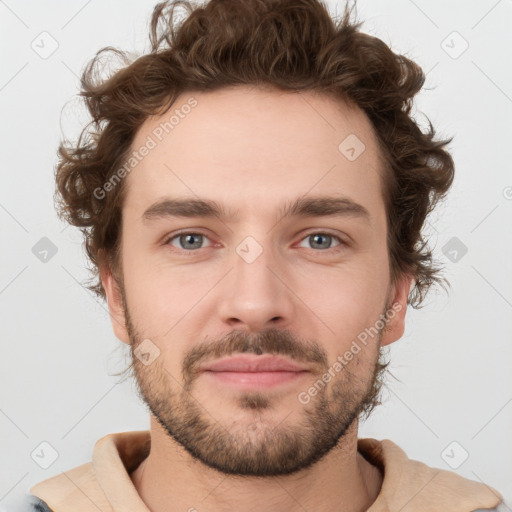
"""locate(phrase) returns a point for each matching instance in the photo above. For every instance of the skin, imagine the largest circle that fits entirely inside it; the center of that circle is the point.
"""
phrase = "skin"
(215, 447)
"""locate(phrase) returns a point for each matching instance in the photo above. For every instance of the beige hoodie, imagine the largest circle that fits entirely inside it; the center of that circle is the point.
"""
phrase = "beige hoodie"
(408, 485)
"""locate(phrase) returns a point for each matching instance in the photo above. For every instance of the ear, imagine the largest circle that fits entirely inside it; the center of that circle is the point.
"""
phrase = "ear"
(396, 314)
(115, 303)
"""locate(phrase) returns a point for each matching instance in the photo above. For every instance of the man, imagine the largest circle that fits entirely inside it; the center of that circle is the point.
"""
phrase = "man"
(252, 201)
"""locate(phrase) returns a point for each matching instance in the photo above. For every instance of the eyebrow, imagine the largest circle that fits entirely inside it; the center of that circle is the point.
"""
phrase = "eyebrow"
(317, 206)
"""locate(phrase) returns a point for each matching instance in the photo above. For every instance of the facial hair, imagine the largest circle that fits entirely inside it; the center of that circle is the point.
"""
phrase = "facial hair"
(257, 447)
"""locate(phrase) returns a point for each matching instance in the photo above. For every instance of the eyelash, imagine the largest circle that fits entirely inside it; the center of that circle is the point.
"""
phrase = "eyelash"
(342, 243)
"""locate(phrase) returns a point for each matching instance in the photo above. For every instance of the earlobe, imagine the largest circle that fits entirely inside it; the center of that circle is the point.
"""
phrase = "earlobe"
(115, 303)
(396, 313)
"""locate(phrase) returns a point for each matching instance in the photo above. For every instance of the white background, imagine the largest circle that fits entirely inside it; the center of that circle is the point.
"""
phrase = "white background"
(58, 350)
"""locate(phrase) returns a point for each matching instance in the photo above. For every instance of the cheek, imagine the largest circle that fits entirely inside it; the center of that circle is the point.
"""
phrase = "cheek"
(152, 302)
(165, 302)
(343, 303)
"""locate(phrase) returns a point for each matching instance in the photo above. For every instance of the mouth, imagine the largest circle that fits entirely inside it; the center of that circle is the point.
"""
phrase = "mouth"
(251, 371)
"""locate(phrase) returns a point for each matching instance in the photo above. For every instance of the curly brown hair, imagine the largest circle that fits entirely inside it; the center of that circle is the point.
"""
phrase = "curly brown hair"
(290, 45)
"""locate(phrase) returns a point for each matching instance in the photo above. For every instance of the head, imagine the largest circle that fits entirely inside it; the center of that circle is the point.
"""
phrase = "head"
(255, 184)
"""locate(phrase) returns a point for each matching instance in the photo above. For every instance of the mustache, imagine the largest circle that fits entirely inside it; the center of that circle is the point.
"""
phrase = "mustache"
(270, 341)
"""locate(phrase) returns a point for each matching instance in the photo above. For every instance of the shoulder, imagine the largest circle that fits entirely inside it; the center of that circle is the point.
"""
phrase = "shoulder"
(74, 490)
(34, 504)
(501, 507)
(432, 488)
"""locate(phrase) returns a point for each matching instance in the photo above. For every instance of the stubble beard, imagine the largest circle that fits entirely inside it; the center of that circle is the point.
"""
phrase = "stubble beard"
(258, 446)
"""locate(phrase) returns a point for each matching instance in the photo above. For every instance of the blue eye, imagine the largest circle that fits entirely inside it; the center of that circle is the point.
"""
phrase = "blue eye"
(323, 239)
(188, 240)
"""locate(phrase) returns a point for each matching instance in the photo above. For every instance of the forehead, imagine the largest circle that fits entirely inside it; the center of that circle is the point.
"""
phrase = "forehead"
(248, 147)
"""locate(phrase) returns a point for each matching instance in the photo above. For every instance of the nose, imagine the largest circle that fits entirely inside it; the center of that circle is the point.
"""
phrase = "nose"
(256, 295)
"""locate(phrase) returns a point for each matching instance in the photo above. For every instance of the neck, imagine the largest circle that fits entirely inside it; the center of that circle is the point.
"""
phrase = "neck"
(342, 480)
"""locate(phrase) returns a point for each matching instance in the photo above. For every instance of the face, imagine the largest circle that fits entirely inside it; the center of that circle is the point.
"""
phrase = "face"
(292, 263)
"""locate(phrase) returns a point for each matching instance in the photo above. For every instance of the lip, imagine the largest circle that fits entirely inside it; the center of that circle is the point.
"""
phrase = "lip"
(249, 372)
(253, 364)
